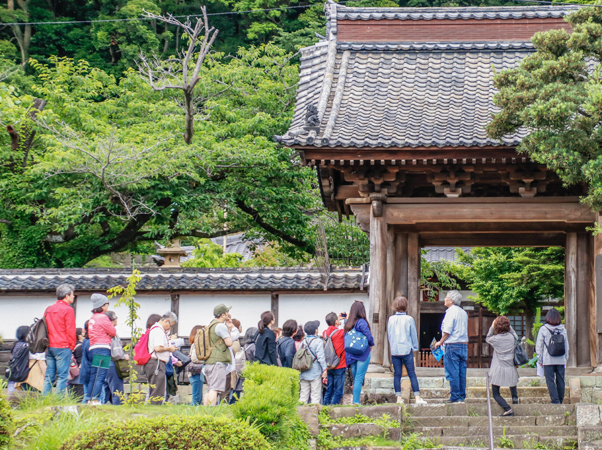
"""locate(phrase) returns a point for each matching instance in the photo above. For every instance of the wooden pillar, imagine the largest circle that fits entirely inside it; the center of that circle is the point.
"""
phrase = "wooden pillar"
(596, 298)
(401, 266)
(582, 349)
(175, 308)
(570, 296)
(388, 307)
(378, 278)
(275, 306)
(414, 259)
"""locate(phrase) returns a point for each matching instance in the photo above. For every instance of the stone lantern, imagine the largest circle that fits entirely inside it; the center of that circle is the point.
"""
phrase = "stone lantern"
(172, 254)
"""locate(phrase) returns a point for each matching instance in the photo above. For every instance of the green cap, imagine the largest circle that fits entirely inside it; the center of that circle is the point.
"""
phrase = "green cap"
(220, 309)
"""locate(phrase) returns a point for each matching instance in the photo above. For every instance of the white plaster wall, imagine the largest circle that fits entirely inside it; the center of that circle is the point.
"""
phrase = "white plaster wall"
(149, 304)
(306, 307)
(198, 309)
(21, 310)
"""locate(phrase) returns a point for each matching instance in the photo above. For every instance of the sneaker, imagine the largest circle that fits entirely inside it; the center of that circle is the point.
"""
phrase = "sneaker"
(449, 402)
(94, 402)
(400, 400)
(419, 401)
(508, 413)
(515, 400)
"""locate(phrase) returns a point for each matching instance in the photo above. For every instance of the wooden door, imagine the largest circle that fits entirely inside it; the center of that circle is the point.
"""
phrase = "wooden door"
(479, 322)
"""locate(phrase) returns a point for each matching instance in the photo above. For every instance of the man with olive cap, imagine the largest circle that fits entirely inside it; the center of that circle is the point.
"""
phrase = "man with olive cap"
(215, 366)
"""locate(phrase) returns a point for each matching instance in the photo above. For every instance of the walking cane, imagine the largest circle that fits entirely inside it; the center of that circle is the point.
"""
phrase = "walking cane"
(489, 414)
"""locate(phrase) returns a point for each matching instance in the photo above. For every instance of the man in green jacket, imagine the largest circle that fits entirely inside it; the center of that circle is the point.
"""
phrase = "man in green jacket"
(215, 366)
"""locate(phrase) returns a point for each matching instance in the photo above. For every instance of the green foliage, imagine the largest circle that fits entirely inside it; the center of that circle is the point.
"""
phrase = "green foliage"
(208, 254)
(173, 432)
(438, 275)
(6, 423)
(556, 94)
(508, 280)
(270, 400)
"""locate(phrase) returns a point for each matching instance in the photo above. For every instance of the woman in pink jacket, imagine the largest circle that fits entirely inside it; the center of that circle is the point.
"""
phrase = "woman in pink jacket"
(100, 331)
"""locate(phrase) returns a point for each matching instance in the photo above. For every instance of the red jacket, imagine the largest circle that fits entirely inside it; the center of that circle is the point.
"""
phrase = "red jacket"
(60, 320)
(338, 340)
(100, 331)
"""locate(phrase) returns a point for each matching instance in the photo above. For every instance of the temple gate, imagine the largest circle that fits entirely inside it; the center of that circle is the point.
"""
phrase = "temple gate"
(391, 110)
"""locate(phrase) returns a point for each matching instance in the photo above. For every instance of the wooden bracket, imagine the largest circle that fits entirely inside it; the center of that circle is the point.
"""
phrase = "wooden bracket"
(526, 181)
(452, 182)
(377, 203)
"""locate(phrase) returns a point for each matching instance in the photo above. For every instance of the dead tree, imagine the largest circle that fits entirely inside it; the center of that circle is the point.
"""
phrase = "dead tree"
(182, 70)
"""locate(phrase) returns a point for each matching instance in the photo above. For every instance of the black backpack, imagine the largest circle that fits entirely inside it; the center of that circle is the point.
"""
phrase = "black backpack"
(18, 366)
(556, 344)
(37, 338)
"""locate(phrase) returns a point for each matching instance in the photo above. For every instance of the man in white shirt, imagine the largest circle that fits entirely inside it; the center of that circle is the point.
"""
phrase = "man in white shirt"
(159, 349)
(454, 331)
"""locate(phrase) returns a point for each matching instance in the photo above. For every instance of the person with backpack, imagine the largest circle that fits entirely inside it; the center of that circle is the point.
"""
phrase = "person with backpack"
(18, 366)
(265, 345)
(160, 351)
(60, 322)
(298, 337)
(195, 369)
(311, 379)
(76, 387)
(101, 331)
(358, 345)
(403, 342)
(334, 343)
(217, 354)
(113, 386)
(552, 349)
(503, 372)
(285, 346)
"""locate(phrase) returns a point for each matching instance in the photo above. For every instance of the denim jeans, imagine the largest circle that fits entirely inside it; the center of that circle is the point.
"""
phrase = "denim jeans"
(555, 382)
(197, 381)
(335, 386)
(111, 385)
(455, 360)
(359, 369)
(58, 361)
(398, 362)
(97, 376)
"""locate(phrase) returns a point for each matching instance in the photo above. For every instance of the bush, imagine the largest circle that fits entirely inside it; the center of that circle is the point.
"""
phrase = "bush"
(270, 399)
(173, 433)
(6, 423)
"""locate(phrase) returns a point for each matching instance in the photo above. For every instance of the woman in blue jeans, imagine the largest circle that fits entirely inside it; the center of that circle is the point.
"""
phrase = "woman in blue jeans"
(194, 368)
(403, 341)
(358, 363)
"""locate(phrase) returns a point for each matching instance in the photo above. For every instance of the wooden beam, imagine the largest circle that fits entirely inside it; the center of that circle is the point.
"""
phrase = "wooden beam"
(492, 240)
(405, 154)
(414, 259)
(570, 296)
(378, 283)
(275, 307)
(491, 227)
(175, 308)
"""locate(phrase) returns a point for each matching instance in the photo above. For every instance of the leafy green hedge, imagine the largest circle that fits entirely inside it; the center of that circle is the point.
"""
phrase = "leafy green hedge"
(6, 423)
(173, 433)
(270, 399)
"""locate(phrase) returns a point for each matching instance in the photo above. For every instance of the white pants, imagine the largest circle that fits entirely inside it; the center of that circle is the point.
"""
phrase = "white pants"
(313, 386)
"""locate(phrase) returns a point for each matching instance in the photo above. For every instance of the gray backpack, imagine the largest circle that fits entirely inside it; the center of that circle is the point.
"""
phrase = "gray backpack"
(304, 358)
(332, 359)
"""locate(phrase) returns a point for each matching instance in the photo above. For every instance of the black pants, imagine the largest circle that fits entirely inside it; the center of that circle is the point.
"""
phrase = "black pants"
(555, 381)
(500, 400)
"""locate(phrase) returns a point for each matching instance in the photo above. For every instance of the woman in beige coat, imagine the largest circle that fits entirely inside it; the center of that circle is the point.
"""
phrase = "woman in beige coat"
(503, 372)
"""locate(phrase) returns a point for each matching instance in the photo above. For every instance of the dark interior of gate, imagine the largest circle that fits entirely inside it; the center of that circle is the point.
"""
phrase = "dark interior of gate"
(391, 110)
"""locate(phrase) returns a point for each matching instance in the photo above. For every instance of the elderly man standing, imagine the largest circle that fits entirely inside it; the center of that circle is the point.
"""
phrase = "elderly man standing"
(454, 330)
(159, 349)
(60, 320)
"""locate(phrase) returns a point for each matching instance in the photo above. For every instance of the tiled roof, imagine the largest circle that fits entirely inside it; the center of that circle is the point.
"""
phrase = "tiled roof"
(182, 279)
(436, 254)
(413, 94)
(478, 13)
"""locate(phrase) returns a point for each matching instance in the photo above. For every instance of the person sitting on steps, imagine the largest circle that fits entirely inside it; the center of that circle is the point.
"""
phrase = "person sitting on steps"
(503, 372)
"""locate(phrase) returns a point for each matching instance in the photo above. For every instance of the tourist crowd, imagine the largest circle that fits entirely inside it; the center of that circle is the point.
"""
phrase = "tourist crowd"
(91, 363)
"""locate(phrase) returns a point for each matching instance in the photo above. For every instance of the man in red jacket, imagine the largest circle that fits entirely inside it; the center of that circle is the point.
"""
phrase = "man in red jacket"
(60, 320)
(336, 377)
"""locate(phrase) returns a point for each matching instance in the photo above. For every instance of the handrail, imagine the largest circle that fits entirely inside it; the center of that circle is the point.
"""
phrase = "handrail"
(489, 414)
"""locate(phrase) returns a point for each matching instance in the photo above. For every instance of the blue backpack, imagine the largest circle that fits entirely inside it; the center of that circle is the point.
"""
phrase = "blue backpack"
(356, 343)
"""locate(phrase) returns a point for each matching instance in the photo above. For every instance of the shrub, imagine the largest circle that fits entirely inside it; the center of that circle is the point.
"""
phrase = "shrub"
(270, 399)
(173, 433)
(6, 423)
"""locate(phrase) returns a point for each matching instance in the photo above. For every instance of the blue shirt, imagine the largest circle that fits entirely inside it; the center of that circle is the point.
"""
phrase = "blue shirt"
(316, 347)
(403, 338)
(362, 326)
(455, 323)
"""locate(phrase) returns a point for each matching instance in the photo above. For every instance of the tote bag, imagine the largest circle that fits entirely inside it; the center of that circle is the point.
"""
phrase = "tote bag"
(356, 343)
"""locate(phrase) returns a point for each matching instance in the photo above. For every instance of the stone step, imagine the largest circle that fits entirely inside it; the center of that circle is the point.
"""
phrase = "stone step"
(483, 401)
(481, 392)
(394, 411)
(497, 431)
(385, 381)
(482, 421)
(479, 409)
(518, 441)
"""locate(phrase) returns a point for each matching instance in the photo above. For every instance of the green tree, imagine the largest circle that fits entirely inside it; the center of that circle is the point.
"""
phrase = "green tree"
(513, 280)
(556, 95)
(210, 255)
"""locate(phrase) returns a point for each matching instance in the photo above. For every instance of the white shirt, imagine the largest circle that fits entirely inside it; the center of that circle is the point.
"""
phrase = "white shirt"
(455, 323)
(158, 338)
